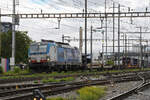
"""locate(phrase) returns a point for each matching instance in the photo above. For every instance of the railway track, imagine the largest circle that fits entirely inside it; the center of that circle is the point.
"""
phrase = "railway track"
(47, 90)
(25, 85)
(126, 94)
(17, 86)
(26, 79)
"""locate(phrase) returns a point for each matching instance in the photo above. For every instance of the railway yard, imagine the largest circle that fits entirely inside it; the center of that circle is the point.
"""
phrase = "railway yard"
(117, 85)
(74, 50)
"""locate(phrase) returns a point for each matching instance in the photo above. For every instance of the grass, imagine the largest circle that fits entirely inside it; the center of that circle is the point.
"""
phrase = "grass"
(58, 98)
(20, 73)
(86, 93)
(67, 79)
(36, 82)
(16, 71)
(91, 93)
(50, 80)
(0, 69)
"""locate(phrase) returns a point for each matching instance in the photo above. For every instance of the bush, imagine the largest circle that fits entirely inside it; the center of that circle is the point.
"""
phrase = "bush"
(59, 98)
(17, 70)
(67, 79)
(1, 69)
(57, 80)
(50, 80)
(91, 93)
(110, 62)
(36, 82)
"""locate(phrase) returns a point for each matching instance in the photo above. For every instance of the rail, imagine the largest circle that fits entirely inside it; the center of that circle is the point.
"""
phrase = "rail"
(132, 91)
(50, 90)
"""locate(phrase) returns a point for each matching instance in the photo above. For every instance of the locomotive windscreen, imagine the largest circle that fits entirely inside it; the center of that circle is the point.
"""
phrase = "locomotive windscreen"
(42, 48)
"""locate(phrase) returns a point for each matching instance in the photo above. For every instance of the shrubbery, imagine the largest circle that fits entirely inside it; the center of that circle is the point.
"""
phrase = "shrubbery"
(86, 93)
(0, 69)
(67, 79)
(91, 93)
(17, 71)
(110, 62)
(58, 98)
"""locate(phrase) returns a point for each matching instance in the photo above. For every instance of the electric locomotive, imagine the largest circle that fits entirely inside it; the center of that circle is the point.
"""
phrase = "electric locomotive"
(50, 55)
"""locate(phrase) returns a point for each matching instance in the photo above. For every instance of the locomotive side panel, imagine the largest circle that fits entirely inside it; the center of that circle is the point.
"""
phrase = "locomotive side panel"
(60, 56)
(68, 56)
(53, 54)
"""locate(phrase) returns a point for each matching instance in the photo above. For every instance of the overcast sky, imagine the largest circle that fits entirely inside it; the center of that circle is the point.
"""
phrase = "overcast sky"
(46, 28)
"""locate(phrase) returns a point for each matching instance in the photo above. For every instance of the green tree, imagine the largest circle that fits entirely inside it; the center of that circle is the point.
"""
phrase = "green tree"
(22, 44)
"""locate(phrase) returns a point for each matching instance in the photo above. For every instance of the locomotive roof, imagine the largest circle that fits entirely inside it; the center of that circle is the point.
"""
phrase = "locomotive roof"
(47, 41)
(59, 43)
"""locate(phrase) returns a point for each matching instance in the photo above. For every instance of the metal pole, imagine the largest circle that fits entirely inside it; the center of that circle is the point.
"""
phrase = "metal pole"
(119, 36)
(125, 49)
(102, 44)
(85, 32)
(0, 35)
(103, 49)
(128, 43)
(13, 33)
(123, 43)
(91, 48)
(147, 55)
(63, 38)
(113, 28)
(106, 25)
(141, 47)
(81, 39)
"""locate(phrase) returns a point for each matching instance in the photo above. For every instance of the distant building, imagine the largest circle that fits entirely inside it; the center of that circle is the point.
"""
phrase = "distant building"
(136, 48)
(6, 26)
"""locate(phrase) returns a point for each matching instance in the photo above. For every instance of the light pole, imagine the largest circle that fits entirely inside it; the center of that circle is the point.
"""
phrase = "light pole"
(102, 48)
(95, 30)
(13, 34)
(147, 54)
(102, 31)
(106, 27)
(126, 49)
(91, 48)
(113, 28)
(141, 58)
(0, 35)
(119, 36)
(85, 33)
(102, 43)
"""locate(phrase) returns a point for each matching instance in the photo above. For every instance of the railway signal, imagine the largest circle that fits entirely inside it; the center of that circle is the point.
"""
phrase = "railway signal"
(38, 95)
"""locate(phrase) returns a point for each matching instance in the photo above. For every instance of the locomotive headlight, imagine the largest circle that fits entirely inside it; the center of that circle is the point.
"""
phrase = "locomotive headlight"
(29, 60)
(48, 59)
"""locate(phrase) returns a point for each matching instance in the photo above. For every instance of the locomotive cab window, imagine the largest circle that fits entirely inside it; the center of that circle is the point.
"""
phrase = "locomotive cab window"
(38, 48)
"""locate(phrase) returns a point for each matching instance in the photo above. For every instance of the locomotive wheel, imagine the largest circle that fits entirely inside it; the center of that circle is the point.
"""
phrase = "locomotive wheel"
(49, 69)
(59, 69)
(65, 68)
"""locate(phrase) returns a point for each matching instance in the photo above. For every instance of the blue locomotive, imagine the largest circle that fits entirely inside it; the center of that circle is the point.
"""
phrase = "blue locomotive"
(49, 56)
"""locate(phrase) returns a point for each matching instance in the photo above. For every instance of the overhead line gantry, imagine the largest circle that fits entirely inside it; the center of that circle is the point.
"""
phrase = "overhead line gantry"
(81, 15)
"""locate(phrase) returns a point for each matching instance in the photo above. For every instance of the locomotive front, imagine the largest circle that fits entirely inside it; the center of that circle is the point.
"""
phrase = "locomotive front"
(38, 56)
